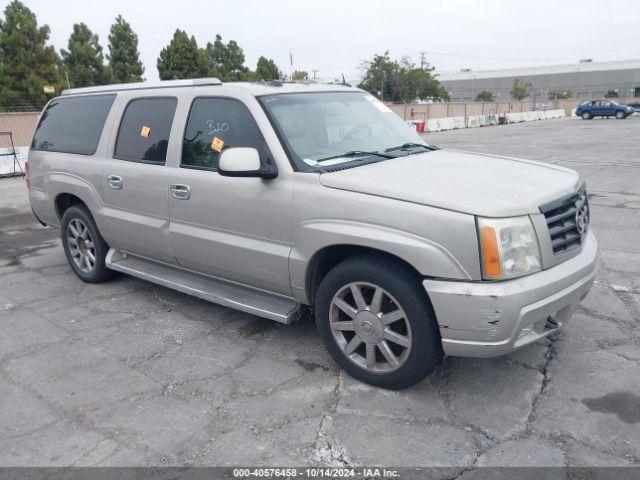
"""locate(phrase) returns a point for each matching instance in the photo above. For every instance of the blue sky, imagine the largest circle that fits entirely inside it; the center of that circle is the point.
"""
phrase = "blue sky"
(334, 36)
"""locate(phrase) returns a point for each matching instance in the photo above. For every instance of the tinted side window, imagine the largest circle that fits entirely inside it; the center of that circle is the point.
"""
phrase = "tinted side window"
(214, 119)
(144, 130)
(72, 124)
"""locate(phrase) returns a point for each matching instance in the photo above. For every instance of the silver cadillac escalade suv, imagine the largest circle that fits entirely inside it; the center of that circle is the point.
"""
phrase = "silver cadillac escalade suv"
(270, 197)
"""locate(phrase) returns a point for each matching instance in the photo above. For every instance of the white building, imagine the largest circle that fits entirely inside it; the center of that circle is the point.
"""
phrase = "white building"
(586, 79)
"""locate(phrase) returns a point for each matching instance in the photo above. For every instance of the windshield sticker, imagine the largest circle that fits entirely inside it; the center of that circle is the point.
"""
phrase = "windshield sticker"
(215, 127)
(378, 104)
(145, 132)
(217, 144)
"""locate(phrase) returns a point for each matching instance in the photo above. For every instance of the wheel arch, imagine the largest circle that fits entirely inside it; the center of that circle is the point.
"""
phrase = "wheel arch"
(65, 200)
(325, 242)
(328, 257)
(66, 189)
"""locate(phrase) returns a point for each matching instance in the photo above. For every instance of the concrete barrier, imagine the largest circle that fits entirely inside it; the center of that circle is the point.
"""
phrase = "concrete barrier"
(473, 121)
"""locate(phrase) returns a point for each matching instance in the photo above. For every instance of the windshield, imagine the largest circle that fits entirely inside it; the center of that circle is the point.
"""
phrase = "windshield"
(329, 128)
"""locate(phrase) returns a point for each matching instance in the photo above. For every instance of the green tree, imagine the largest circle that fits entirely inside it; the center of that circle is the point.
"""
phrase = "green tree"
(27, 63)
(183, 59)
(520, 90)
(418, 83)
(378, 76)
(266, 69)
(484, 96)
(400, 81)
(123, 53)
(299, 76)
(228, 60)
(84, 61)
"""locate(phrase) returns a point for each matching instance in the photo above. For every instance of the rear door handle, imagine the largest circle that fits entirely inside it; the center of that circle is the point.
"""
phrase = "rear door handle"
(115, 182)
(180, 192)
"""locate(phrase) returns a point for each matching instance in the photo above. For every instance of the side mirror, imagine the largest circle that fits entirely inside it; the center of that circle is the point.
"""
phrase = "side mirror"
(244, 162)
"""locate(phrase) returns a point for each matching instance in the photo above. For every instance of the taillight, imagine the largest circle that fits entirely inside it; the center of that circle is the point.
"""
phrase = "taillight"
(26, 174)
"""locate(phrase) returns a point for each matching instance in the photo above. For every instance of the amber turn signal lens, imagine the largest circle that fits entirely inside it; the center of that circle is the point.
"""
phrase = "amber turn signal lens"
(490, 253)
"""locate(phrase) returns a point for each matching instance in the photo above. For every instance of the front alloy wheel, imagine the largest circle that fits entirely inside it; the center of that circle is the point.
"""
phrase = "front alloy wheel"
(370, 327)
(377, 322)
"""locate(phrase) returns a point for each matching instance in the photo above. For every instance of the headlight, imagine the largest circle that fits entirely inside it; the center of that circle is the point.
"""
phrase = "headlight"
(509, 247)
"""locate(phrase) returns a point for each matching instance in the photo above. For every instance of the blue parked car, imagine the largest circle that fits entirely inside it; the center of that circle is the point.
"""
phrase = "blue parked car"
(603, 108)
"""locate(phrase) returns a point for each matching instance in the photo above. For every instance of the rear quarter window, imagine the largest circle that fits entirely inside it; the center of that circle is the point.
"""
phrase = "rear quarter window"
(72, 124)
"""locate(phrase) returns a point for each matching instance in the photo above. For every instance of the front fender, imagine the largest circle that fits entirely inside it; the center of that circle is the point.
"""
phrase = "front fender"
(427, 257)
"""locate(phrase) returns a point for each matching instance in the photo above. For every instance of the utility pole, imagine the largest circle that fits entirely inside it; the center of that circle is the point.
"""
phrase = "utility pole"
(314, 71)
(423, 60)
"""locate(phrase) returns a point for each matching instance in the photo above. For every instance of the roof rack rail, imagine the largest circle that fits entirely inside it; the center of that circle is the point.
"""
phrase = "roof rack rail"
(194, 82)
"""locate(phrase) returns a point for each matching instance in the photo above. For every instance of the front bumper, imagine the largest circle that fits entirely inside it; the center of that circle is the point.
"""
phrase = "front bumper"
(486, 319)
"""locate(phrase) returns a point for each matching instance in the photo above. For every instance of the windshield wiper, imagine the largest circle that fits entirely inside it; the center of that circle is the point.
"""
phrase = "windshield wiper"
(407, 146)
(354, 153)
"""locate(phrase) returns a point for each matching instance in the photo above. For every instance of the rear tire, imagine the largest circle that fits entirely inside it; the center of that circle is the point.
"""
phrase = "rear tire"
(84, 247)
(377, 323)
(586, 116)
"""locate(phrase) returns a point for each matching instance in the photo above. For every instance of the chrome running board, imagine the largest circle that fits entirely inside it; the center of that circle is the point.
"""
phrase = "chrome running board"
(247, 299)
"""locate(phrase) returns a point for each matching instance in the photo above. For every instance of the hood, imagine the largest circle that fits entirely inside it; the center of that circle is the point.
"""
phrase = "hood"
(479, 184)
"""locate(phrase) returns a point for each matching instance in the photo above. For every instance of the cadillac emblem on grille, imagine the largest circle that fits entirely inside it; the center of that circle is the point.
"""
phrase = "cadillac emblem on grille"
(582, 215)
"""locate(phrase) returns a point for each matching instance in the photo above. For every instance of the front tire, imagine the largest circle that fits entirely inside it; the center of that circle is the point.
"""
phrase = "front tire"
(620, 115)
(84, 247)
(377, 323)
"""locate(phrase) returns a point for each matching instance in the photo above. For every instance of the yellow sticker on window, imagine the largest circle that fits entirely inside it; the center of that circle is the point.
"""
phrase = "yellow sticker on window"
(144, 133)
(217, 144)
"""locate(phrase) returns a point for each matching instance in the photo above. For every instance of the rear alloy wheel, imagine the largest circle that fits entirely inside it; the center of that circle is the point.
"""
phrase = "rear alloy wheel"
(376, 321)
(620, 115)
(81, 246)
(586, 116)
(84, 246)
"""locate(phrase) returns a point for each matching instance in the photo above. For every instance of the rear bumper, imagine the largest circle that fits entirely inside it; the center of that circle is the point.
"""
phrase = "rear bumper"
(487, 319)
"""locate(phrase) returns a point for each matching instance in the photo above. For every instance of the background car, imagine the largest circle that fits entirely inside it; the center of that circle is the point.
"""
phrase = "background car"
(603, 108)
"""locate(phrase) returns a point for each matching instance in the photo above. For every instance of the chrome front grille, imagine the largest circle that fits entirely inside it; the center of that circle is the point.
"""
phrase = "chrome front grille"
(568, 221)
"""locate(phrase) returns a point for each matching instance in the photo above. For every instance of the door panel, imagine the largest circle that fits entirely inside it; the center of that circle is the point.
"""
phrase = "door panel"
(230, 227)
(597, 110)
(136, 216)
(234, 228)
(136, 180)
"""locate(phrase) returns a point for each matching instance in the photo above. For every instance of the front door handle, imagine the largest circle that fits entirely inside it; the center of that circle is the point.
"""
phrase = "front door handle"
(115, 182)
(180, 192)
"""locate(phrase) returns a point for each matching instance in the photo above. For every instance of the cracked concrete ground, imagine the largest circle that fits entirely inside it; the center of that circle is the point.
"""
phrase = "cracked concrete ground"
(128, 373)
